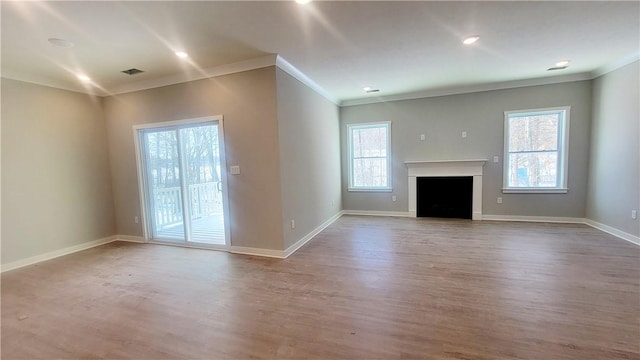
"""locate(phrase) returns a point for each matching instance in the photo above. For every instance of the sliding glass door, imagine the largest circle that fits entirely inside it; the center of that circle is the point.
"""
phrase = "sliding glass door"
(182, 167)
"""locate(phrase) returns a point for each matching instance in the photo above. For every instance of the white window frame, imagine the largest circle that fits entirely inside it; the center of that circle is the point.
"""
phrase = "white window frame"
(350, 128)
(563, 151)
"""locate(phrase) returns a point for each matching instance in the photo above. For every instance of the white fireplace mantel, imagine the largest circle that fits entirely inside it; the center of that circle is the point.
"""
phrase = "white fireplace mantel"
(447, 168)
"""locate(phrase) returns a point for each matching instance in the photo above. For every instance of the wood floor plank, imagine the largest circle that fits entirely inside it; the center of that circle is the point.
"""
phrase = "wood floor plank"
(364, 288)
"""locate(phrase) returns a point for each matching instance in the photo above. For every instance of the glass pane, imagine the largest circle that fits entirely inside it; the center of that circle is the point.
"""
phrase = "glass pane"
(369, 141)
(370, 172)
(202, 171)
(533, 133)
(533, 170)
(163, 172)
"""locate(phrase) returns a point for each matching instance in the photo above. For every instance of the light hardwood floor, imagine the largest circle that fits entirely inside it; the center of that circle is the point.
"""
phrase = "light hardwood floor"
(364, 288)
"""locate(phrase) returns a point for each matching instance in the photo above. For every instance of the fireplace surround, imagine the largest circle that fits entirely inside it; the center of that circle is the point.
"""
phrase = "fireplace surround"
(449, 168)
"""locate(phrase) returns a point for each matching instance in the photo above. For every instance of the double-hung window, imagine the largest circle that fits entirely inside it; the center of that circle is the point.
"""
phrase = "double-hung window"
(369, 156)
(536, 143)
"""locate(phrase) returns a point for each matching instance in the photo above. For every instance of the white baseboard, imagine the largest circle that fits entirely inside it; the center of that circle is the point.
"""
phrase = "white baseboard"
(57, 253)
(298, 244)
(377, 213)
(278, 254)
(130, 238)
(547, 219)
(283, 254)
(567, 220)
(613, 231)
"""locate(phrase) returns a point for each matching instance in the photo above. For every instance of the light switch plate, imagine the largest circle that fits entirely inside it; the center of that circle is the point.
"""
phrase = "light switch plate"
(235, 170)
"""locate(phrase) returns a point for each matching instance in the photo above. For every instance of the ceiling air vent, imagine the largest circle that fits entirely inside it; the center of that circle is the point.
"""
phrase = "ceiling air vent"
(132, 71)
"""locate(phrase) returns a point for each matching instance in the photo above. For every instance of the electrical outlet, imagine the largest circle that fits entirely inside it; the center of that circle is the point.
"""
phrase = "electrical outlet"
(422, 137)
(136, 219)
(496, 159)
(293, 224)
(464, 134)
(234, 170)
(393, 198)
(634, 214)
(499, 201)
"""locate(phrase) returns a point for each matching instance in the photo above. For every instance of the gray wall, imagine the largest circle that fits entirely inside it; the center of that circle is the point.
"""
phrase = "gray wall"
(614, 174)
(481, 114)
(309, 140)
(247, 100)
(56, 186)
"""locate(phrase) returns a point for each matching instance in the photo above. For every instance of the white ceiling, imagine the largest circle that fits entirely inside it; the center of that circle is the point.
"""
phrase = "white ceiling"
(398, 47)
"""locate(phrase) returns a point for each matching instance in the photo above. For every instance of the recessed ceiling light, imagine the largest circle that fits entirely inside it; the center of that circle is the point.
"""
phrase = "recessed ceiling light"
(60, 42)
(182, 54)
(83, 78)
(367, 88)
(563, 63)
(470, 39)
(302, 2)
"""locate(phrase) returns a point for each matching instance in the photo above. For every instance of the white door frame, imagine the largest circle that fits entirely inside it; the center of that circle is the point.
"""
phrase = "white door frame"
(137, 129)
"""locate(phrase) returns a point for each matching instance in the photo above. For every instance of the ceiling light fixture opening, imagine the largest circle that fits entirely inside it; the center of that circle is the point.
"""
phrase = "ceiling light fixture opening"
(182, 54)
(470, 39)
(60, 42)
(563, 63)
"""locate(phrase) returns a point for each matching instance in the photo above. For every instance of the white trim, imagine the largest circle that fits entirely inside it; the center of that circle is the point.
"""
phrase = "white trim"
(457, 90)
(300, 76)
(534, 191)
(246, 65)
(613, 231)
(388, 157)
(141, 193)
(278, 254)
(131, 238)
(283, 254)
(473, 168)
(137, 133)
(370, 189)
(298, 244)
(562, 150)
(377, 213)
(180, 122)
(616, 65)
(57, 253)
(545, 219)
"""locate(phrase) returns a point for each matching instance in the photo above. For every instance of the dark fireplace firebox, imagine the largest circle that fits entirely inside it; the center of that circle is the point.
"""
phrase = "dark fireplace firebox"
(444, 197)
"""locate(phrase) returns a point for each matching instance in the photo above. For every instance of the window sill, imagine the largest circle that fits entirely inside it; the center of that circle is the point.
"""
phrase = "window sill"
(535, 191)
(368, 190)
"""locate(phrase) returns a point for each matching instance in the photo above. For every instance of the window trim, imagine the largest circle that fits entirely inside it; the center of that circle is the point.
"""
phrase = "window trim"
(350, 159)
(563, 152)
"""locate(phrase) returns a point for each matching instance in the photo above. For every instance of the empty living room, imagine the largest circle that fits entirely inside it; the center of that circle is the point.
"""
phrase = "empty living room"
(309, 179)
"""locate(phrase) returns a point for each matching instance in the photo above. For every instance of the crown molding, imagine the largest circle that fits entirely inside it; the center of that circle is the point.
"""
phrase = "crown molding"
(470, 89)
(299, 75)
(25, 78)
(246, 65)
(616, 65)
